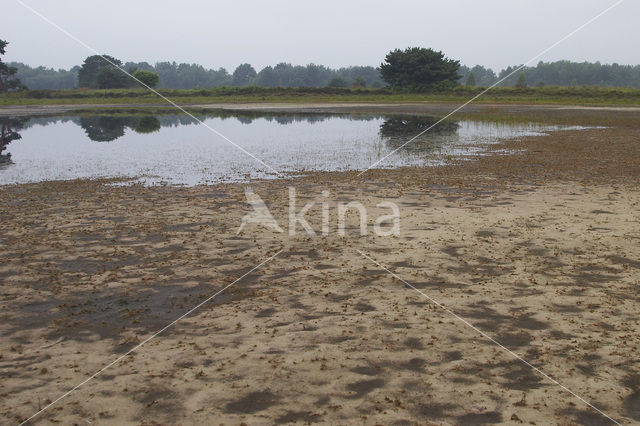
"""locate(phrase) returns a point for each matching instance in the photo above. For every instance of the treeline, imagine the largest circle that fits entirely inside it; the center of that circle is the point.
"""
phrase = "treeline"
(46, 78)
(560, 73)
(191, 76)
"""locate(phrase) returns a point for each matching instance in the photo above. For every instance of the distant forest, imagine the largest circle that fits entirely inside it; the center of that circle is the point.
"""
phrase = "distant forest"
(191, 76)
(560, 73)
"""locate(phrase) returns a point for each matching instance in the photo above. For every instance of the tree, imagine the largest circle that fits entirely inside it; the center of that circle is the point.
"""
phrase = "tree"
(419, 68)
(314, 75)
(112, 78)
(8, 79)
(359, 82)
(267, 77)
(243, 75)
(522, 81)
(471, 80)
(484, 76)
(337, 82)
(149, 78)
(102, 72)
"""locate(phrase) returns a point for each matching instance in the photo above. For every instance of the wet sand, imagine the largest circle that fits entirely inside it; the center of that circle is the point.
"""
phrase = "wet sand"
(536, 244)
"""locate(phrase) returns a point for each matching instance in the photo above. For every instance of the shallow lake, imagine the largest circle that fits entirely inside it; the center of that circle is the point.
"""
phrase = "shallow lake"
(177, 150)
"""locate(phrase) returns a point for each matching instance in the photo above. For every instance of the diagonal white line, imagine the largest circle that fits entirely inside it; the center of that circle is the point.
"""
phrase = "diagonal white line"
(50, 22)
(138, 346)
(473, 327)
(571, 34)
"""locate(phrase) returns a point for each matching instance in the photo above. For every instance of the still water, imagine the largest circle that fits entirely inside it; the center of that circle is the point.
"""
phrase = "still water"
(176, 150)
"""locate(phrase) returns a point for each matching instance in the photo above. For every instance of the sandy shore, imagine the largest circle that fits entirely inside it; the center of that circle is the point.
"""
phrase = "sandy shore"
(539, 249)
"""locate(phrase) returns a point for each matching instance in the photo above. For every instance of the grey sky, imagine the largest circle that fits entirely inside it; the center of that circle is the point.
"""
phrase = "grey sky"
(493, 33)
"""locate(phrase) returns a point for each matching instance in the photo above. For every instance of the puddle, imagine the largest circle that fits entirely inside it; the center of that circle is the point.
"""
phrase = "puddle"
(176, 150)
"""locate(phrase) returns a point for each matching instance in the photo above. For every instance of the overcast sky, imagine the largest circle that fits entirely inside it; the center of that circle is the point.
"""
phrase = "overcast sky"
(221, 33)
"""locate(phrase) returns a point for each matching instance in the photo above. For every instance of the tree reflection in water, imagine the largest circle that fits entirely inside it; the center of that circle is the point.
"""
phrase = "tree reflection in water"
(107, 128)
(396, 131)
(104, 128)
(149, 124)
(9, 128)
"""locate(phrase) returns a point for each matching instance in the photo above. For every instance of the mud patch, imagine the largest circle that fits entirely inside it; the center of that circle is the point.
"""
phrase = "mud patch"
(252, 403)
(363, 387)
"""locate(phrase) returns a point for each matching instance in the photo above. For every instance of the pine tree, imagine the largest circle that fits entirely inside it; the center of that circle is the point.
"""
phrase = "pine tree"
(471, 80)
(8, 80)
(522, 81)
